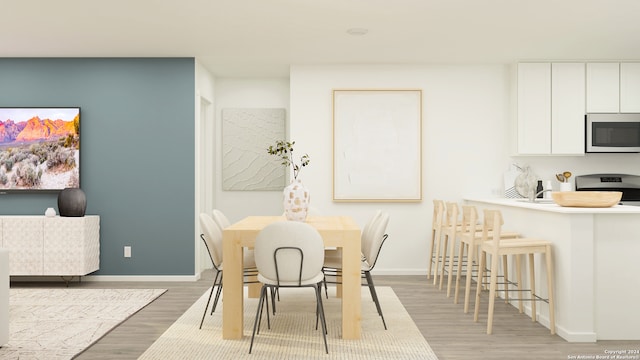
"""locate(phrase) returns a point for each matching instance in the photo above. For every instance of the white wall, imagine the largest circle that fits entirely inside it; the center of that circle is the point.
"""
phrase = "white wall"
(247, 93)
(467, 127)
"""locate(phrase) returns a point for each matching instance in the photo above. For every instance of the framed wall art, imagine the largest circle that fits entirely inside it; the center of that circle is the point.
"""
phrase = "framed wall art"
(377, 145)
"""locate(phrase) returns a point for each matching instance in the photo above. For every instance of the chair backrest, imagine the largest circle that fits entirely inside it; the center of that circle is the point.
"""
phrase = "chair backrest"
(452, 215)
(438, 213)
(469, 219)
(221, 220)
(369, 227)
(376, 240)
(492, 227)
(292, 265)
(212, 238)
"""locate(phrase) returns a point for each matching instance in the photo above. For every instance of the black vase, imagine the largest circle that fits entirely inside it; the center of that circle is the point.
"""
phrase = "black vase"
(72, 202)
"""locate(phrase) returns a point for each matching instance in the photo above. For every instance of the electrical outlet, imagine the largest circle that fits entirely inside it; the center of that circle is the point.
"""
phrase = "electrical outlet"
(127, 251)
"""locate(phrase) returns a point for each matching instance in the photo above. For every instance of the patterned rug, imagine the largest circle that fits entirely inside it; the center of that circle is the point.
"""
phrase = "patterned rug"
(61, 323)
(293, 335)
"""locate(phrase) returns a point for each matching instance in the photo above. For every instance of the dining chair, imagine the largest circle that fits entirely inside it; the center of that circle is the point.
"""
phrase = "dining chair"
(495, 246)
(289, 254)
(212, 238)
(372, 242)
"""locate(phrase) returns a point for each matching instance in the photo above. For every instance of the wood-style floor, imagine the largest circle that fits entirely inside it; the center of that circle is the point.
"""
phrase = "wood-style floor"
(452, 334)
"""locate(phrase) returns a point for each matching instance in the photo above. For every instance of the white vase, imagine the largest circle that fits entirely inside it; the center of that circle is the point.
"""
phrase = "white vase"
(296, 201)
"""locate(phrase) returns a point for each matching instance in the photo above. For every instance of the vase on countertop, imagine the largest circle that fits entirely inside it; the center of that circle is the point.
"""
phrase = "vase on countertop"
(296, 201)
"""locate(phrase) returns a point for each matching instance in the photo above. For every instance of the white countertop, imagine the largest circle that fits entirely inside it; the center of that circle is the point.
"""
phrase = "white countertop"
(553, 207)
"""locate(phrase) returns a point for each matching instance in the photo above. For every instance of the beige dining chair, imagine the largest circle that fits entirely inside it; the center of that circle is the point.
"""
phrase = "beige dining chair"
(289, 254)
(372, 242)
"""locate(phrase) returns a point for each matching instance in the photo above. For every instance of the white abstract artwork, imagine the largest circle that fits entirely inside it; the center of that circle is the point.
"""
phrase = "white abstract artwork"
(246, 135)
(377, 145)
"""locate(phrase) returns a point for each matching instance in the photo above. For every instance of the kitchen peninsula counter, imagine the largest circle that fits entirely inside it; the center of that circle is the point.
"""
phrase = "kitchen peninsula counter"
(597, 270)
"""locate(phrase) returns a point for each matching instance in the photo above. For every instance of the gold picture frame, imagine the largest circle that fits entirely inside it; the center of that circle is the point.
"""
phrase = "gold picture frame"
(377, 145)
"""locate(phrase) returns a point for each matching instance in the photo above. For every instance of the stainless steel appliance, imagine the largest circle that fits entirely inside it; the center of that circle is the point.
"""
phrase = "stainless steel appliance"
(628, 184)
(617, 133)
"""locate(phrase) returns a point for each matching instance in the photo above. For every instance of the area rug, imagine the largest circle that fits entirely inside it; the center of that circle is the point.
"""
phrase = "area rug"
(293, 335)
(60, 323)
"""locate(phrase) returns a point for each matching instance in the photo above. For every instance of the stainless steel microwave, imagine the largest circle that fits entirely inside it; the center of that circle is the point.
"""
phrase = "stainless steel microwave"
(612, 133)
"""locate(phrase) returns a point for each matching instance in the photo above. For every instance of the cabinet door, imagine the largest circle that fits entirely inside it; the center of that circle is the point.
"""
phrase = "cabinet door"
(534, 108)
(603, 87)
(22, 235)
(630, 87)
(567, 108)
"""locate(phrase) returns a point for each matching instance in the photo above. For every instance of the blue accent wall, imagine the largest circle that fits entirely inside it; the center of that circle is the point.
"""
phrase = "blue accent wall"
(136, 152)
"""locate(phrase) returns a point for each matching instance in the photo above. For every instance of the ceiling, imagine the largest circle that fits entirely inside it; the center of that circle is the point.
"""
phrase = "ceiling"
(262, 38)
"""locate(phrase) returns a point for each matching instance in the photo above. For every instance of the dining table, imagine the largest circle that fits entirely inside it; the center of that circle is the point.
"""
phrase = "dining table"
(340, 232)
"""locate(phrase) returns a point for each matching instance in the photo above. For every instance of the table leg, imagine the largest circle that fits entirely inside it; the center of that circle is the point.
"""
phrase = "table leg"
(351, 289)
(233, 296)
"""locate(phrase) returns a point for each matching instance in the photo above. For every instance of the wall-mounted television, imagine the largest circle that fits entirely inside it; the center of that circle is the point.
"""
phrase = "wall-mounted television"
(39, 148)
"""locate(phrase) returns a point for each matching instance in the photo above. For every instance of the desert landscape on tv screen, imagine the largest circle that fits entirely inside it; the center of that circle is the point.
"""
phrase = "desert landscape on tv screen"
(39, 148)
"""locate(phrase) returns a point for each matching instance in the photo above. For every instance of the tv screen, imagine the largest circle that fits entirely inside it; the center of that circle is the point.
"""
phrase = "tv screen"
(39, 148)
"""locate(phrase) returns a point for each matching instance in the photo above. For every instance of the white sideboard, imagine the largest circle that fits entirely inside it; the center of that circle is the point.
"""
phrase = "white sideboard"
(61, 246)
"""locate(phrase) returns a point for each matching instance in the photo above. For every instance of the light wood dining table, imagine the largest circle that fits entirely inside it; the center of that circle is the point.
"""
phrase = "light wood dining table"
(336, 231)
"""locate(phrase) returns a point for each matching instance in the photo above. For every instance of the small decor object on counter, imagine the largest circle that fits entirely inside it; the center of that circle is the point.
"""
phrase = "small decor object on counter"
(590, 199)
(50, 212)
(525, 183)
(72, 202)
(296, 195)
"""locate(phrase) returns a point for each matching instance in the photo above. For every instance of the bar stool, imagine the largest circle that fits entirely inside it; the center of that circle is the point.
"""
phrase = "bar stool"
(450, 232)
(470, 239)
(496, 247)
(436, 227)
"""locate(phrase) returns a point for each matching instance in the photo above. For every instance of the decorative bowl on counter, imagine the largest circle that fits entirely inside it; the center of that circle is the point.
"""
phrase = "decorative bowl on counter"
(592, 199)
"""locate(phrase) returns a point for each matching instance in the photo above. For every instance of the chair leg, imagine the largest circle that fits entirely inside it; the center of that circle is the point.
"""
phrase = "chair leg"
(218, 292)
(263, 293)
(471, 255)
(445, 243)
(374, 295)
(436, 257)
(552, 315)
(215, 280)
(459, 270)
(532, 285)
(505, 271)
(431, 258)
(323, 321)
(495, 260)
(483, 260)
(451, 261)
(519, 277)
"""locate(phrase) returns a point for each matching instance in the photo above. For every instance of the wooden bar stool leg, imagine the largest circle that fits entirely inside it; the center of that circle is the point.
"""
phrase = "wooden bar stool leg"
(451, 261)
(493, 284)
(459, 270)
(437, 257)
(552, 315)
(471, 255)
(506, 279)
(483, 260)
(445, 244)
(433, 240)
(532, 284)
(519, 278)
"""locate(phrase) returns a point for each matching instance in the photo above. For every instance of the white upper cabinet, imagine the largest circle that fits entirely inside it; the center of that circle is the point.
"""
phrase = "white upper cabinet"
(630, 87)
(551, 108)
(567, 108)
(534, 108)
(603, 87)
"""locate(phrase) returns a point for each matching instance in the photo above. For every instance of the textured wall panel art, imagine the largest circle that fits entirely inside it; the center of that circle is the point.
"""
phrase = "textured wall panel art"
(246, 135)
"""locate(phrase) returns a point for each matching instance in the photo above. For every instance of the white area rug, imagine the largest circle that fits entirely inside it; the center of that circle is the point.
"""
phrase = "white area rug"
(61, 323)
(293, 335)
